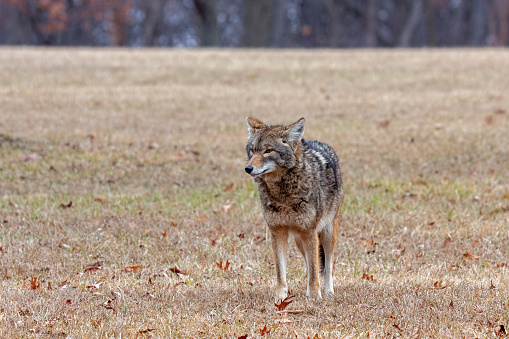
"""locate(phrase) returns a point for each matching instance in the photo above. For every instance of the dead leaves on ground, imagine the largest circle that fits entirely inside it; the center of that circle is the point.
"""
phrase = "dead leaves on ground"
(470, 256)
(281, 306)
(440, 285)
(92, 267)
(264, 331)
(145, 331)
(370, 245)
(220, 265)
(64, 206)
(367, 277)
(177, 270)
(33, 284)
(132, 268)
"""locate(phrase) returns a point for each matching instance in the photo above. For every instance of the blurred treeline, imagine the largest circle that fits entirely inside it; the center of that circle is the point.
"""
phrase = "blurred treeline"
(255, 23)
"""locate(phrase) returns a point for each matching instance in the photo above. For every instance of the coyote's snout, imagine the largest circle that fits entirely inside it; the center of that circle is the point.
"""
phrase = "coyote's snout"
(301, 193)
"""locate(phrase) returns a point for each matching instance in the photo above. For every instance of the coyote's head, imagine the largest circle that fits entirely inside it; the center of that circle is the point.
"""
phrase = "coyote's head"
(272, 148)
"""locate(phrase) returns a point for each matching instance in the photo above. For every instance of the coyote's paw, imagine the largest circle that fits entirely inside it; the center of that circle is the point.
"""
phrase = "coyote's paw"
(329, 292)
(281, 294)
(314, 294)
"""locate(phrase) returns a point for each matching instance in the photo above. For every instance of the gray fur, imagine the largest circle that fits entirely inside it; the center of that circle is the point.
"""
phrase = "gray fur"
(301, 193)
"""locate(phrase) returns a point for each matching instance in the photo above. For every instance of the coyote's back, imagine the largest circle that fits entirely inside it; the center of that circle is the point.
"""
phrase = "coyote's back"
(301, 193)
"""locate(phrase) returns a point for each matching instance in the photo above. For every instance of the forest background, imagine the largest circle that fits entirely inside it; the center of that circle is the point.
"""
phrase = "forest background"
(255, 23)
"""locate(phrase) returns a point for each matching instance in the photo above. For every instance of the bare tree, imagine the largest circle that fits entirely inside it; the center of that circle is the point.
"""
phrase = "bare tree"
(411, 24)
(371, 23)
(207, 18)
(154, 17)
(257, 22)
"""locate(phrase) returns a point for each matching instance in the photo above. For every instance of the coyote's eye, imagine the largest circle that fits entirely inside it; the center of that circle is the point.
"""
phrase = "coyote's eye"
(268, 150)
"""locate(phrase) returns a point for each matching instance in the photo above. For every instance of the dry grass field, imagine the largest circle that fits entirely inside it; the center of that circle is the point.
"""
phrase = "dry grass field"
(122, 187)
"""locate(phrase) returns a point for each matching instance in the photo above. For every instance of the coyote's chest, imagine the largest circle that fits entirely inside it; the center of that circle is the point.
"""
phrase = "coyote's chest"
(291, 211)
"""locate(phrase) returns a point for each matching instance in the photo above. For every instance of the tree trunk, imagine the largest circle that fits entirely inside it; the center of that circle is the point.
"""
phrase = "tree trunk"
(257, 21)
(478, 23)
(405, 39)
(335, 25)
(279, 20)
(370, 37)
(154, 11)
(207, 14)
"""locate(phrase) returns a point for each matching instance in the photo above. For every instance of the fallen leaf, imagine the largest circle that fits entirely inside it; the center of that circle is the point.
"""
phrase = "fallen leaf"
(284, 303)
(201, 218)
(370, 244)
(367, 242)
(228, 187)
(92, 267)
(283, 321)
(226, 207)
(446, 242)
(153, 145)
(220, 265)
(437, 285)
(99, 200)
(164, 234)
(384, 124)
(132, 268)
(34, 285)
(96, 285)
(264, 331)
(173, 224)
(243, 336)
(491, 285)
(365, 276)
(397, 327)
(177, 270)
(145, 331)
(68, 205)
(398, 251)
(68, 302)
(107, 305)
(24, 313)
(470, 255)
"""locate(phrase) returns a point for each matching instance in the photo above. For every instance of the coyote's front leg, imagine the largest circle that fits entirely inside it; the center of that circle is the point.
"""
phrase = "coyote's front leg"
(279, 239)
(310, 245)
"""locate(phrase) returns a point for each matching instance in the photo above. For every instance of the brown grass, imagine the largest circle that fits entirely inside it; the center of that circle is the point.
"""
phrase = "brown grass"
(148, 145)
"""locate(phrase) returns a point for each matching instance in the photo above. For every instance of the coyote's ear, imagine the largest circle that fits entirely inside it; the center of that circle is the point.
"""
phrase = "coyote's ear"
(295, 131)
(254, 124)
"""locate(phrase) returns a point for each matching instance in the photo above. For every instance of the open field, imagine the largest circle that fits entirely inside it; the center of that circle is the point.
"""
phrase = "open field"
(116, 166)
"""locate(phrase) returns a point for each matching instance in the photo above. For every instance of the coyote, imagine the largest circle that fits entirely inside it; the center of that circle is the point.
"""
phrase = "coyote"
(301, 192)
